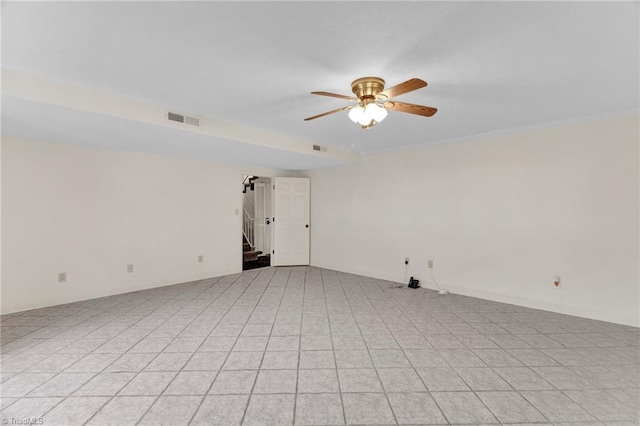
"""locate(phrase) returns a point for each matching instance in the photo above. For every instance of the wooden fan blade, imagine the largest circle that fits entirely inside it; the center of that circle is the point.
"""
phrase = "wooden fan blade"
(326, 113)
(426, 111)
(402, 88)
(335, 95)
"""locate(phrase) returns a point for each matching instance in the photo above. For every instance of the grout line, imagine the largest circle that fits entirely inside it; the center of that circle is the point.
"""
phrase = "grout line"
(92, 352)
(236, 340)
(454, 369)
(174, 339)
(415, 370)
(255, 381)
(335, 358)
(152, 359)
(367, 346)
(295, 398)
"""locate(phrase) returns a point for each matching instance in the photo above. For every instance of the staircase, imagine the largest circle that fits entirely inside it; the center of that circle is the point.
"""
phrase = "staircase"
(248, 183)
(252, 257)
(248, 252)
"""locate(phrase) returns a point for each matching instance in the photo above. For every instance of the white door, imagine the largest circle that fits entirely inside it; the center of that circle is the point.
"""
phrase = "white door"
(291, 222)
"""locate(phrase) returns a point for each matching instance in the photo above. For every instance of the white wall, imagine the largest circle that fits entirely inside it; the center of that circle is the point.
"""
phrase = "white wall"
(89, 212)
(500, 216)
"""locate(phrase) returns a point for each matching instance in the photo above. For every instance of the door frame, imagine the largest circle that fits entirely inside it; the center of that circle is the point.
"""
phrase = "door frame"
(271, 228)
(271, 176)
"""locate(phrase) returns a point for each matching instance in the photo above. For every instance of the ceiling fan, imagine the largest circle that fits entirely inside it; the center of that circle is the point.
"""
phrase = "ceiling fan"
(374, 101)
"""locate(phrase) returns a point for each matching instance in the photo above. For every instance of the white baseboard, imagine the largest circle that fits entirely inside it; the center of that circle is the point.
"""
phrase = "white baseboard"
(577, 311)
(614, 317)
(106, 292)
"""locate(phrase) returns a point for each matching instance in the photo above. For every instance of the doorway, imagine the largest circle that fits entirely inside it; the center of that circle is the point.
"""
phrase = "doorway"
(257, 208)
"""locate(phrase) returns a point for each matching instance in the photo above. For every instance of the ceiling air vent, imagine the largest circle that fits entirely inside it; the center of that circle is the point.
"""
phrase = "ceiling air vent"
(319, 148)
(185, 119)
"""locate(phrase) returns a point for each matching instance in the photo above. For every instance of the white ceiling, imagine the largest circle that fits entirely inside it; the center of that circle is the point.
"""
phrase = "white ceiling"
(490, 65)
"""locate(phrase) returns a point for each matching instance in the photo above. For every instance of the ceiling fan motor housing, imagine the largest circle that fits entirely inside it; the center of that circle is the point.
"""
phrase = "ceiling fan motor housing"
(367, 88)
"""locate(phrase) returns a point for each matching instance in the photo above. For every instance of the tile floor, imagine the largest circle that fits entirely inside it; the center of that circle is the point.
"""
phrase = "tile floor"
(308, 346)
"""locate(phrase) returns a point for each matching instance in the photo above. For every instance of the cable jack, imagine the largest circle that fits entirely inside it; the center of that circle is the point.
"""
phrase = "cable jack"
(433, 279)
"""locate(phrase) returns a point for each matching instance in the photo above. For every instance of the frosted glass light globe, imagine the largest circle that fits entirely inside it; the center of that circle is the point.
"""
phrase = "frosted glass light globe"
(356, 114)
(365, 120)
(375, 112)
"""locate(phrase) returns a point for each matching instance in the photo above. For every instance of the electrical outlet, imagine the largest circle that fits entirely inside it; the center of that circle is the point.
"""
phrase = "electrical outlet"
(430, 264)
(62, 277)
(406, 260)
(130, 268)
(200, 259)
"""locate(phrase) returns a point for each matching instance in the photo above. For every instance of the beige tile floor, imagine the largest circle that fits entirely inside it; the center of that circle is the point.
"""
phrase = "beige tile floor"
(310, 346)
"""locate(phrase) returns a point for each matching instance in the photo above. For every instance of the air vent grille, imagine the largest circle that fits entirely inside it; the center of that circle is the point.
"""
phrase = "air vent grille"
(185, 119)
(176, 117)
(191, 121)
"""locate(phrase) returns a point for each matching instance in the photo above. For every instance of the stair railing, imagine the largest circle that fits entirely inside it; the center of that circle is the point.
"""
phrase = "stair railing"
(248, 227)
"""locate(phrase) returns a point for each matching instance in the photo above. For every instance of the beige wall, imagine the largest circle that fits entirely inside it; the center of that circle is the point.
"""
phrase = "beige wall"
(500, 216)
(89, 212)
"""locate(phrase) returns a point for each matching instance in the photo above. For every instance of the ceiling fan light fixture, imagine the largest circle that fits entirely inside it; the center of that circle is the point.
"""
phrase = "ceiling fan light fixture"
(356, 113)
(364, 119)
(375, 112)
(368, 126)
